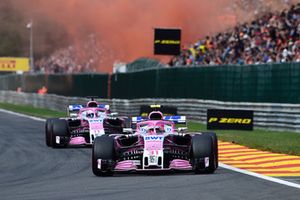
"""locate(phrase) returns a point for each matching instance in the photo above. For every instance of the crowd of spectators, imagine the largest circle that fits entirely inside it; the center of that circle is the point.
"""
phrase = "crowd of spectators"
(273, 37)
(83, 57)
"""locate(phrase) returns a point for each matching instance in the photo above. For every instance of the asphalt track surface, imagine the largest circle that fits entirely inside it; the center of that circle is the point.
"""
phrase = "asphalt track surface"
(30, 170)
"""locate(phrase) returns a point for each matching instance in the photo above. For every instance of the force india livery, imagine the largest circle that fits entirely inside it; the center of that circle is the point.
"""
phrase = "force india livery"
(84, 124)
(155, 144)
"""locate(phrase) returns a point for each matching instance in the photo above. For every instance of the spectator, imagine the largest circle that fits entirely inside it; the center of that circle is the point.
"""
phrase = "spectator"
(273, 37)
(73, 59)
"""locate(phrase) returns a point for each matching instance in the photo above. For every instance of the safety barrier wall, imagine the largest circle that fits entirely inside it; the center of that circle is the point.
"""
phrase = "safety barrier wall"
(69, 85)
(271, 116)
(272, 83)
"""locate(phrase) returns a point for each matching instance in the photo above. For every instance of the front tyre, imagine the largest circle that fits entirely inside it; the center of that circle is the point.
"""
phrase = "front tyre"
(203, 154)
(103, 156)
(48, 132)
(60, 133)
(215, 146)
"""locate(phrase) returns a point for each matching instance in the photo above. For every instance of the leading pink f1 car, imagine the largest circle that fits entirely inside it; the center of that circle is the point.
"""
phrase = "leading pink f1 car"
(155, 145)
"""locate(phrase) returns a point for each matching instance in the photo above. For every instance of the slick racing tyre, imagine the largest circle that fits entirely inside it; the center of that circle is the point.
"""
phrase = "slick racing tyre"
(202, 149)
(49, 130)
(60, 133)
(127, 123)
(103, 156)
(215, 145)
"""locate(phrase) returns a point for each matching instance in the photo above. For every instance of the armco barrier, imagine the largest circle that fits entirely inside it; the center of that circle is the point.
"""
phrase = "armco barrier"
(266, 115)
(269, 83)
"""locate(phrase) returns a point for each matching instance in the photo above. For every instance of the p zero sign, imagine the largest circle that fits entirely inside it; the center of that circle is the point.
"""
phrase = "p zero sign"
(167, 41)
(229, 119)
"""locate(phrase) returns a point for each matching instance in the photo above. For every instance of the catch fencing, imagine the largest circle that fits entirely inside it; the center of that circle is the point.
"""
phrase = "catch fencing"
(273, 116)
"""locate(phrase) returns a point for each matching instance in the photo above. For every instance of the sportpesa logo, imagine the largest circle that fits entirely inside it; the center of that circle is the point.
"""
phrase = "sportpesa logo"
(225, 120)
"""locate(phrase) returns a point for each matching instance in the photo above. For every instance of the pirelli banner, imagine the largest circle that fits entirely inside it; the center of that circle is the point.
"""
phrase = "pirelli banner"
(229, 119)
(14, 64)
(167, 41)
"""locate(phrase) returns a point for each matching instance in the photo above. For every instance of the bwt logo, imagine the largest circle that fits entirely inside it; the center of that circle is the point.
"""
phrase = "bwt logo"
(95, 120)
(230, 120)
(156, 138)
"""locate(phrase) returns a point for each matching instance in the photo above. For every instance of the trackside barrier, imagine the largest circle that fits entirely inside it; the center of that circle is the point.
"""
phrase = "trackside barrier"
(266, 115)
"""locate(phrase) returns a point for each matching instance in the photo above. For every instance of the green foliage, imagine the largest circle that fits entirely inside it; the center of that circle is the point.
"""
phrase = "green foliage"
(143, 64)
(48, 36)
(11, 39)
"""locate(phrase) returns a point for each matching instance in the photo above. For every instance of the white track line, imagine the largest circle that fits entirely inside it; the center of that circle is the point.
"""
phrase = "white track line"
(268, 178)
(23, 115)
(276, 180)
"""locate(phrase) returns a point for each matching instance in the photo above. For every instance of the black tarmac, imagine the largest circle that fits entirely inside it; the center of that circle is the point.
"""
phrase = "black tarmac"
(31, 170)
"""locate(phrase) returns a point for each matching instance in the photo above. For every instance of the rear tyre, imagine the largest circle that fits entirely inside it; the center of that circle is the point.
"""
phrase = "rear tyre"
(202, 148)
(127, 122)
(60, 128)
(104, 151)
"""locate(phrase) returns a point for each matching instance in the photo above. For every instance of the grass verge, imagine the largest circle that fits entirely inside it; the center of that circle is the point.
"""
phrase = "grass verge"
(274, 141)
(29, 110)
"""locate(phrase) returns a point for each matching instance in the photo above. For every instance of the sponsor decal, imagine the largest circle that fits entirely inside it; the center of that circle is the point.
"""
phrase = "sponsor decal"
(143, 129)
(206, 161)
(75, 107)
(229, 119)
(168, 129)
(154, 138)
(153, 143)
(96, 120)
(153, 159)
(14, 64)
(57, 140)
(167, 41)
(99, 163)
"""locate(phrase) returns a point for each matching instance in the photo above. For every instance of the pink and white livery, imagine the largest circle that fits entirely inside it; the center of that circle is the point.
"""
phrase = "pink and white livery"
(156, 144)
(84, 124)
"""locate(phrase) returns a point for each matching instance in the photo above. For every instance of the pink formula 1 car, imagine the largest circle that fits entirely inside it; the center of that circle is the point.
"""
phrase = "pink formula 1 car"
(156, 144)
(84, 124)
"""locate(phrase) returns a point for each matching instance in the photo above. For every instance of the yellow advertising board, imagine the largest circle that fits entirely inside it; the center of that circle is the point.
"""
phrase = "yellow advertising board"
(14, 64)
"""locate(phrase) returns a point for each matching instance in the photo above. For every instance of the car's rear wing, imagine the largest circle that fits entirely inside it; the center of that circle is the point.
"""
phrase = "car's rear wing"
(175, 119)
(72, 110)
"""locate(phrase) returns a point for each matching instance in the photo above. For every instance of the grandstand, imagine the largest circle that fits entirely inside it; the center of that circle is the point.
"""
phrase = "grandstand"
(274, 37)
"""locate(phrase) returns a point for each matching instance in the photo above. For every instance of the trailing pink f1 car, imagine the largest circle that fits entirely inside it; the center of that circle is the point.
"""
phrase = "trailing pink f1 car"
(156, 144)
(84, 124)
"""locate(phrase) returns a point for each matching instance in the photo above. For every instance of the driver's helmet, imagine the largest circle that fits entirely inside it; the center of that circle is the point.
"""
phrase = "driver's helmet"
(155, 130)
(90, 115)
